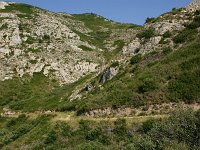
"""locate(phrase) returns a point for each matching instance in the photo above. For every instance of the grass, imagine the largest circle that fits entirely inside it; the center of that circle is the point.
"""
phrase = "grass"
(169, 76)
(95, 133)
(22, 8)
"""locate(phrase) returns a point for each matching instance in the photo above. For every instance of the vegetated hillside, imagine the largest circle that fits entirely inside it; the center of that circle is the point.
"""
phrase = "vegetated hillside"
(179, 131)
(107, 64)
(41, 50)
(65, 79)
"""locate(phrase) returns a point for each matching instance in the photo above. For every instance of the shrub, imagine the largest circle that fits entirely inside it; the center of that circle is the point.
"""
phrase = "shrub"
(181, 127)
(11, 123)
(115, 64)
(186, 87)
(149, 20)
(148, 125)
(135, 59)
(195, 24)
(85, 48)
(137, 50)
(51, 137)
(141, 143)
(148, 84)
(167, 50)
(167, 34)
(184, 35)
(120, 127)
(147, 34)
(94, 145)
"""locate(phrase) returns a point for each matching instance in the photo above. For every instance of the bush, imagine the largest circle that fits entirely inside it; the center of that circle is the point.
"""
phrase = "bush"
(85, 48)
(148, 84)
(135, 59)
(141, 143)
(120, 127)
(167, 34)
(181, 126)
(186, 87)
(51, 137)
(167, 50)
(148, 125)
(11, 123)
(195, 24)
(147, 34)
(91, 146)
(149, 20)
(184, 35)
(115, 64)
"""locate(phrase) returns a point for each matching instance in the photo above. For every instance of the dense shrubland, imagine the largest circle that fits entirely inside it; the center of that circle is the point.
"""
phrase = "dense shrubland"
(180, 130)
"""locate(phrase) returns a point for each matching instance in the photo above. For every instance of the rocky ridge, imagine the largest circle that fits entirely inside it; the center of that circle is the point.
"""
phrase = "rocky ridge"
(35, 40)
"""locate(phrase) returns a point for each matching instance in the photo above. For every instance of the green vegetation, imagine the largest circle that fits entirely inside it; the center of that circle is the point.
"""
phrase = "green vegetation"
(34, 50)
(184, 35)
(135, 59)
(147, 34)
(167, 34)
(4, 26)
(180, 130)
(150, 20)
(115, 64)
(22, 8)
(85, 48)
(158, 77)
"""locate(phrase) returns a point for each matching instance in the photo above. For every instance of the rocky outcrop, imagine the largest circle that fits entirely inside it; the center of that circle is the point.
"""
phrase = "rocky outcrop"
(108, 74)
(43, 42)
(195, 5)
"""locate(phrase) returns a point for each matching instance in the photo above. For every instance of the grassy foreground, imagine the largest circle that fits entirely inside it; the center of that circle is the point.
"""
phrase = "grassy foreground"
(180, 130)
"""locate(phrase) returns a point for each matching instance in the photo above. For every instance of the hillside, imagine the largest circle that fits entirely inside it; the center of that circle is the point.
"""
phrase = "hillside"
(70, 77)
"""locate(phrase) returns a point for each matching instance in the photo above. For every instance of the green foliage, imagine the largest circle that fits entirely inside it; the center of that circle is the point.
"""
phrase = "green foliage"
(11, 122)
(181, 127)
(148, 125)
(4, 26)
(51, 137)
(91, 146)
(34, 50)
(115, 64)
(33, 61)
(85, 48)
(148, 84)
(150, 20)
(184, 35)
(141, 143)
(167, 34)
(180, 130)
(23, 8)
(147, 34)
(30, 40)
(167, 50)
(186, 87)
(136, 59)
(120, 127)
(195, 24)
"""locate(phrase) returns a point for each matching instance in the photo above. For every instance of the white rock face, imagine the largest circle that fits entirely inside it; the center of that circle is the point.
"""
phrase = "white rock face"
(195, 5)
(3, 4)
(44, 43)
(130, 49)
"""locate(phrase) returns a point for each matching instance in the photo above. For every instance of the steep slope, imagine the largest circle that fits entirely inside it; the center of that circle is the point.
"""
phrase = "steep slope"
(58, 45)
(66, 79)
(44, 53)
(98, 62)
(164, 67)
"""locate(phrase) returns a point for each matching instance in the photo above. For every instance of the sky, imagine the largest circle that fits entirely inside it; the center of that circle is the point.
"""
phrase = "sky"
(125, 11)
